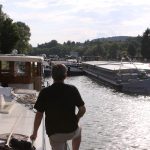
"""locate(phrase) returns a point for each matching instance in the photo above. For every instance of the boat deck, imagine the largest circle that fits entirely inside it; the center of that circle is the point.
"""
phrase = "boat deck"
(20, 121)
(115, 65)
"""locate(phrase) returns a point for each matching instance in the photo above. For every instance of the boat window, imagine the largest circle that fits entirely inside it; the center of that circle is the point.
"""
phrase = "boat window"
(19, 68)
(5, 68)
(34, 69)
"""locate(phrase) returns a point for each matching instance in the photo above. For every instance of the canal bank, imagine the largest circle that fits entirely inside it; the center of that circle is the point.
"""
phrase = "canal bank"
(113, 121)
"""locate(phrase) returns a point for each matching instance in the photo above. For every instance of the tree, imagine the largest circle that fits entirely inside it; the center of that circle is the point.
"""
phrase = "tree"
(53, 43)
(145, 47)
(2, 19)
(22, 44)
(9, 36)
(50, 44)
(99, 49)
(113, 51)
(8, 33)
(131, 50)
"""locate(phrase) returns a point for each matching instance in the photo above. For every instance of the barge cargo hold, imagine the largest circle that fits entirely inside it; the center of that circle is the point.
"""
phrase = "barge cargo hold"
(133, 78)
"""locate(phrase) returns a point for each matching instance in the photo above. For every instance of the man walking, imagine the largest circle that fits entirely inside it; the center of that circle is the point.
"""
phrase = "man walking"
(59, 102)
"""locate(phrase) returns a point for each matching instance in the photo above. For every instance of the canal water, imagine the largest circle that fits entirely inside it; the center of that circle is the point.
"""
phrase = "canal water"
(113, 121)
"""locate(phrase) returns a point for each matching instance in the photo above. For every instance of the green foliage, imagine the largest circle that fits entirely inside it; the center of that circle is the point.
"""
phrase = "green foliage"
(22, 44)
(9, 36)
(13, 35)
(131, 50)
(145, 47)
(56, 50)
(104, 49)
(50, 44)
(113, 51)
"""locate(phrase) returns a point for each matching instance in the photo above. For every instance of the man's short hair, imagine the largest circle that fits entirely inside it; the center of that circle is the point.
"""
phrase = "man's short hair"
(59, 72)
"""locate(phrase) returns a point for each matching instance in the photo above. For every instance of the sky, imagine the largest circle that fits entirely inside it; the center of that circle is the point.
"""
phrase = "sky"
(79, 20)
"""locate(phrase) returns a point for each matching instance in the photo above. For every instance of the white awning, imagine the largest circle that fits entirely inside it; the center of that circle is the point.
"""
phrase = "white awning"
(21, 58)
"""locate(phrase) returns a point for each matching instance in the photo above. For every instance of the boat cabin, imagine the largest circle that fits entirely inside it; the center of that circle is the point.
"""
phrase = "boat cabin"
(20, 71)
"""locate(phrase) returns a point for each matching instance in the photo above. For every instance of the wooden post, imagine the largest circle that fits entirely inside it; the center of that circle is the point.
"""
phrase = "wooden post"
(28, 69)
(0, 67)
(12, 68)
(39, 71)
(38, 78)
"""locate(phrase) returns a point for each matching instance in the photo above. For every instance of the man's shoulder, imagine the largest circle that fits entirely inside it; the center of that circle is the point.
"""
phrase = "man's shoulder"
(51, 87)
(45, 89)
(71, 87)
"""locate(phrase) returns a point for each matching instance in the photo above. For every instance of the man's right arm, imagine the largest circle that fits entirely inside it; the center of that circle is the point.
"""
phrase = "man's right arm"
(81, 112)
(37, 122)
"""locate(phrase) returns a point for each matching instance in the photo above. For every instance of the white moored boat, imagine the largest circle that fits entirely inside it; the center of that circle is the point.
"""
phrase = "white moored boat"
(20, 82)
(128, 77)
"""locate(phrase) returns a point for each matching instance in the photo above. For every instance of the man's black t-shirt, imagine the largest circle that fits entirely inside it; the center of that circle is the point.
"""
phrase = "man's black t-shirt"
(58, 101)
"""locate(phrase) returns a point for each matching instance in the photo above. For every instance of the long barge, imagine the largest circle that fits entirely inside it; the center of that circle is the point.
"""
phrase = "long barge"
(127, 77)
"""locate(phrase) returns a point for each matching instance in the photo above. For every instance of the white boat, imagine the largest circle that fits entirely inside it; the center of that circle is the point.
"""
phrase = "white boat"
(20, 82)
(128, 77)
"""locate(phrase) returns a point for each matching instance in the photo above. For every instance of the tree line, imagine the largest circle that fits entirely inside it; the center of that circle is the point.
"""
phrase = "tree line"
(16, 35)
(105, 48)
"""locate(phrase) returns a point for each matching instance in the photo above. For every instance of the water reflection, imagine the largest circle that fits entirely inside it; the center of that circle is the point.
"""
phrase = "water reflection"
(114, 121)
